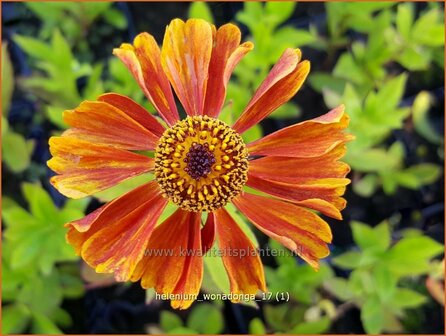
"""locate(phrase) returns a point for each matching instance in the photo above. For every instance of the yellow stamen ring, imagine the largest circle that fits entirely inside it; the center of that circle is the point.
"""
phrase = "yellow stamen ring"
(201, 163)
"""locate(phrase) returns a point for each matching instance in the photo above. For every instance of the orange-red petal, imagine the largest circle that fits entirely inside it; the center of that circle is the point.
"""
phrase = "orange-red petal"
(303, 175)
(329, 190)
(310, 138)
(85, 168)
(173, 262)
(101, 122)
(240, 257)
(208, 234)
(295, 170)
(143, 59)
(135, 111)
(185, 57)
(226, 54)
(300, 230)
(281, 84)
(112, 239)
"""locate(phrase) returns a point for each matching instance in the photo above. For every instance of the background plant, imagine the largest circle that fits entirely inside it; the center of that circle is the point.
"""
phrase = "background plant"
(383, 60)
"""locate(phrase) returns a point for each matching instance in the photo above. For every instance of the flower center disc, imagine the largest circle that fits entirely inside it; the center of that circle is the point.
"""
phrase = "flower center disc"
(201, 163)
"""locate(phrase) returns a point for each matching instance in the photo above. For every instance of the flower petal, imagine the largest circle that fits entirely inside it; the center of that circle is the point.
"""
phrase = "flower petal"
(304, 172)
(100, 122)
(281, 84)
(86, 168)
(143, 59)
(208, 234)
(310, 138)
(239, 255)
(295, 170)
(173, 262)
(226, 54)
(300, 230)
(185, 57)
(329, 190)
(112, 239)
(135, 111)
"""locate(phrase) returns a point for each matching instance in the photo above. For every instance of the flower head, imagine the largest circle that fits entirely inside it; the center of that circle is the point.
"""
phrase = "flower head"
(200, 164)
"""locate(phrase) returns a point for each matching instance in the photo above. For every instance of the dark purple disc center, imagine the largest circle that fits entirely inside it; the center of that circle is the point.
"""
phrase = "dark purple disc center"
(199, 161)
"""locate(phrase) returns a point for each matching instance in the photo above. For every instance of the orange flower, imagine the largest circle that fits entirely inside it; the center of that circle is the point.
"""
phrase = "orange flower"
(200, 164)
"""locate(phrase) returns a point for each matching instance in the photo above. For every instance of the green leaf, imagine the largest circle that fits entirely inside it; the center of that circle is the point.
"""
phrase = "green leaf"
(7, 80)
(286, 111)
(169, 210)
(256, 327)
(347, 68)
(284, 257)
(63, 53)
(40, 203)
(389, 182)
(200, 10)
(419, 247)
(41, 293)
(411, 255)
(15, 319)
(280, 11)
(43, 325)
(373, 160)
(33, 47)
(27, 250)
(94, 84)
(16, 217)
(55, 115)
(72, 286)
(95, 9)
(414, 59)
(372, 315)
(404, 20)
(290, 37)
(390, 94)
(420, 109)
(384, 282)
(340, 288)
(331, 98)
(366, 186)
(61, 317)
(276, 317)
(368, 238)
(16, 151)
(418, 175)
(115, 18)
(170, 321)
(407, 298)
(214, 265)
(77, 204)
(5, 125)
(252, 134)
(206, 319)
(429, 30)
(314, 327)
(322, 80)
(182, 331)
(348, 260)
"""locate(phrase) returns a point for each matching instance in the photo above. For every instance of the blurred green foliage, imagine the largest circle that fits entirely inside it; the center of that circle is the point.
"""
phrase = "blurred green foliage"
(373, 53)
(37, 263)
(16, 150)
(75, 19)
(203, 319)
(378, 268)
(270, 38)
(373, 95)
